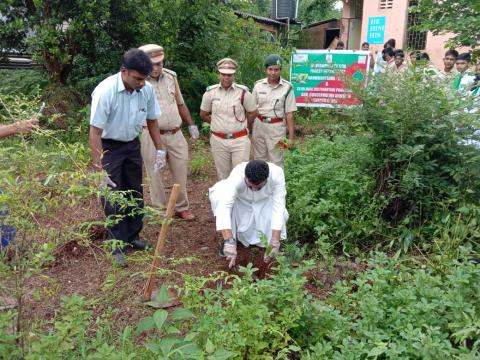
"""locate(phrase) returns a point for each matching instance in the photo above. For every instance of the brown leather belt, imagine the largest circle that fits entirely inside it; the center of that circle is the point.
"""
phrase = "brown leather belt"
(169, 132)
(234, 135)
(269, 120)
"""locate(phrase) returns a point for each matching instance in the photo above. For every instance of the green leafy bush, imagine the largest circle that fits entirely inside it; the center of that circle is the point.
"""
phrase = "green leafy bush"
(249, 317)
(329, 194)
(22, 82)
(422, 167)
(395, 311)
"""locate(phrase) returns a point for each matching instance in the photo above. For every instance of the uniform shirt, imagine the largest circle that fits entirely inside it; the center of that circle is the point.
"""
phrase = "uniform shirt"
(392, 67)
(268, 202)
(118, 112)
(169, 97)
(274, 101)
(228, 114)
(447, 77)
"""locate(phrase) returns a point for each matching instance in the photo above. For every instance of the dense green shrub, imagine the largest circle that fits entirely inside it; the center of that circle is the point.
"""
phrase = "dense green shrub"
(22, 82)
(329, 193)
(395, 311)
(250, 317)
(422, 167)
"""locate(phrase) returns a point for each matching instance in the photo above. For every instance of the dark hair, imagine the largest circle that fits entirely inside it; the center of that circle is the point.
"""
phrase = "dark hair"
(399, 53)
(464, 56)
(340, 43)
(419, 55)
(424, 56)
(256, 171)
(135, 59)
(391, 43)
(452, 52)
(365, 43)
(388, 51)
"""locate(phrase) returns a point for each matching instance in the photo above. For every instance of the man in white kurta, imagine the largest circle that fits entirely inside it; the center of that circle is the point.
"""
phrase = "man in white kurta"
(248, 204)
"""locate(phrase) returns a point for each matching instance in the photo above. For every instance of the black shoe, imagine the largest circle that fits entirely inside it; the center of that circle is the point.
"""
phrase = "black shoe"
(119, 259)
(140, 244)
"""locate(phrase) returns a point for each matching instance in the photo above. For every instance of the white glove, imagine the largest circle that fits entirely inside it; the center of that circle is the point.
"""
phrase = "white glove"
(106, 181)
(193, 130)
(160, 160)
(274, 250)
(230, 251)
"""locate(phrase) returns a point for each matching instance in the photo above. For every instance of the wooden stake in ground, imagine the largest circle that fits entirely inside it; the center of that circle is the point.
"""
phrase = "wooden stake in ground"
(147, 293)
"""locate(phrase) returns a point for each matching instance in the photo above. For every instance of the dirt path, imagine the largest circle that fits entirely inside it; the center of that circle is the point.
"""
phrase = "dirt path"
(191, 248)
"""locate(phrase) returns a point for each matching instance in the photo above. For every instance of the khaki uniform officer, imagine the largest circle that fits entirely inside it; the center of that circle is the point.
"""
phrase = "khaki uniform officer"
(276, 104)
(230, 108)
(168, 93)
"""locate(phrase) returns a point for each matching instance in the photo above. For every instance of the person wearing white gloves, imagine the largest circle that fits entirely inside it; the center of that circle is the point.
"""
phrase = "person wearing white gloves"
(174, 110)
(248, 204)
(121, 104)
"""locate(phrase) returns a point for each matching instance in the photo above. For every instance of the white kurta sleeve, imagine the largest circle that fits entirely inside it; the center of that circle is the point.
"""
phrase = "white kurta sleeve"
(230, 189)
(279, 194)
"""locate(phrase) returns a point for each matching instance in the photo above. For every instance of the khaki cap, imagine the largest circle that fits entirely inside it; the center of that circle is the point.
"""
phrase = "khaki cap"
(154, 51)
(227, 66)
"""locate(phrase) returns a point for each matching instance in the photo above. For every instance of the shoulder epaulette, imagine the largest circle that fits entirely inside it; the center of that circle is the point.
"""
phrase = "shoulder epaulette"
(242, 87)
(211, 87)
(170, 72)
(261, 80)
(287, 82)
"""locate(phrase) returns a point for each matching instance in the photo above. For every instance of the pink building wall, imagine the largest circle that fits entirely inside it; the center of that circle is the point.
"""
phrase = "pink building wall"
(396, 26)
(395, 21)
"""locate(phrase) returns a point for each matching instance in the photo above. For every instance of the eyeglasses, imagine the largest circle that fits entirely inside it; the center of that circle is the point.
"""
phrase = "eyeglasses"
(255, 187)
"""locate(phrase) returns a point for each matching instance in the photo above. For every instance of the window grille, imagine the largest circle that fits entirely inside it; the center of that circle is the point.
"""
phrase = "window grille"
(386, 4)
(416, 40)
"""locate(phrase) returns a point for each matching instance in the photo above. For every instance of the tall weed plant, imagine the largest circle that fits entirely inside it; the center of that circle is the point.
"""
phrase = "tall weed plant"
(423, 169)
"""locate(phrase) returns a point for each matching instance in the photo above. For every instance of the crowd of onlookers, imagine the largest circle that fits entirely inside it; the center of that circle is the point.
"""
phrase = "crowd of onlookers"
(458, 72)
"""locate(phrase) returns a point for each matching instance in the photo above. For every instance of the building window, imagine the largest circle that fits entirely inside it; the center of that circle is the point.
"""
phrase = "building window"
(386, 4)
(416, 40)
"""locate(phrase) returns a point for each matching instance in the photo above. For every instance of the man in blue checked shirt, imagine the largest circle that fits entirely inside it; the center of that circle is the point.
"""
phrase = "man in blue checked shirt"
(121, 104)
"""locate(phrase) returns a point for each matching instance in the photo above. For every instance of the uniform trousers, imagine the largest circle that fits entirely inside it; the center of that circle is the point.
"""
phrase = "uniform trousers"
(265, 137)
(177, 157)
(228, 153)
(123, 163)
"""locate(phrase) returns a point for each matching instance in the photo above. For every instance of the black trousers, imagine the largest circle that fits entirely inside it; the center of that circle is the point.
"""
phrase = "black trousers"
(123, 163)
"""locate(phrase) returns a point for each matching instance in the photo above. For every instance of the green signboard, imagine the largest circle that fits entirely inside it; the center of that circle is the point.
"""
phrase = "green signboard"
(320, 77)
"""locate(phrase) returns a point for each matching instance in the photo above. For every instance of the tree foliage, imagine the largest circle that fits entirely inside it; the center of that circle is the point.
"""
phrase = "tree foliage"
(55, 31)
(317, 10)
(461, 17)
(80, 42)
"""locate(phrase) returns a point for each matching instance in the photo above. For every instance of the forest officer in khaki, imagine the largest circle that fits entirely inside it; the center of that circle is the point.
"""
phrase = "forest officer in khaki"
(276, 104)
(229, 108)
(174, 110)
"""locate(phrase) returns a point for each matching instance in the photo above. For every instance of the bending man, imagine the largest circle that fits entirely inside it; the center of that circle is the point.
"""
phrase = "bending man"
(248, 204)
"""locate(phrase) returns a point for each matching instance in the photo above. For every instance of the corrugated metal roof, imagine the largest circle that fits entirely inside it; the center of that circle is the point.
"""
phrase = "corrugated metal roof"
(259, 18)
(320, 23)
